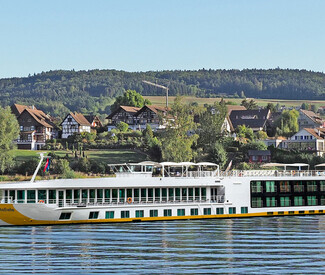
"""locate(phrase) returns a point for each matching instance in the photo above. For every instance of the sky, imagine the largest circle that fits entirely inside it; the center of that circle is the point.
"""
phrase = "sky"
(144, 35)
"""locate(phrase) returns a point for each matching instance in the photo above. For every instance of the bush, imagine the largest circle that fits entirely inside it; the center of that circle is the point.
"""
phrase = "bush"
(28, 167)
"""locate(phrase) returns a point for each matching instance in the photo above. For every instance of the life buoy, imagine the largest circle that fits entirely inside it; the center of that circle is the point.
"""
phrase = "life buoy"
(129, 200)
(40, 201)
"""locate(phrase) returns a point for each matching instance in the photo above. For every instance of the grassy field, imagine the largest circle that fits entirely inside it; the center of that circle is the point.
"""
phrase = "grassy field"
(161, 100)
(108, 156)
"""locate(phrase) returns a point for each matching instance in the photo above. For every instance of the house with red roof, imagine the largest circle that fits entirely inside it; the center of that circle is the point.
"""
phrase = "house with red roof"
(74, 123)
(36, 127)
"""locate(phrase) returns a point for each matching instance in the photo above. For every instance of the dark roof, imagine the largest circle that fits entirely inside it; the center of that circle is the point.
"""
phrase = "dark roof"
(79, 118)
(92, 118)
(231, 108)
(250, 118)
(153, 108)
(259, 153)
(129, 109)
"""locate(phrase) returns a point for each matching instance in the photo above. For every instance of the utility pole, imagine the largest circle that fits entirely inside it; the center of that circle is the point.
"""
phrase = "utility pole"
(158, 86)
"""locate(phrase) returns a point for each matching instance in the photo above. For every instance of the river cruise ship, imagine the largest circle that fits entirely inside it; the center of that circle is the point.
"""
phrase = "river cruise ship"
(149, 191)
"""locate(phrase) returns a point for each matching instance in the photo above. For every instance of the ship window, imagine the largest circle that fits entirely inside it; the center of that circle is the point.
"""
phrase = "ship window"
(92, 193)
(190, 194)
(256, 187)
(150, 194)
(167, 212)
(171, 194)
(107, 194)
(322, 200)
(139, 213)
(109, 215)
(41, 195)
(284, 186)
(122, 195)
(129, 193)
(298, 187)
(184, 194)
(284, 201)
(197, 194)
(114, 195)
(270, 186)
(311, 200)
(219, 211)
(76, 195)
(153, 213)
(207, 211)
(257, 202)
(271, 202)
(299, 201)
(244, 210)
(136, 194)
(311, 186)
(68, 195)
(84, 193)
(99, 195)
(164, 194)
(232, 210)
(65, 216)
(21, 196)
(12, 194)
(180, 212)
(143, 194)
(52, 196)
(194, 211)
(93, 215)
(178, 193)
(157, 194)
(125, 214)
(30, 196)
(204, 193)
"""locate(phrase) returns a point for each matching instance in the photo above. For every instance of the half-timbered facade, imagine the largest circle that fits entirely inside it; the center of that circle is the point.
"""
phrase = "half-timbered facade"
(74, 123)
(125, 114)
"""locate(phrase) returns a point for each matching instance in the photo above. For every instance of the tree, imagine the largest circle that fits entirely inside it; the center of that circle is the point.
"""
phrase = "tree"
(217, 154)
(261, 135)
(211, 121)
(130, 98)
(249, 104)
(245, 132)
(9, 130)
(178, 138)
(287, 124)
(122, 126)
(271, 107)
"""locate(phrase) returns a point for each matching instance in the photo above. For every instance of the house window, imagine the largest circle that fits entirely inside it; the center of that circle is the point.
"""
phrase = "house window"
(21, 128)
(254, 158)
(69, 119)
(264, 157)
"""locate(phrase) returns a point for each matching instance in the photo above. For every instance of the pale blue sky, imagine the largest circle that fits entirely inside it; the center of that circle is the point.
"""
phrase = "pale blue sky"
(142, 35)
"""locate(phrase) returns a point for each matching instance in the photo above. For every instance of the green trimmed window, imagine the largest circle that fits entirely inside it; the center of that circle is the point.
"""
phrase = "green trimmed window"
(270, 201)
(244, 210)
(139, 213)
(312, 200)
(284, 201)
(298, 201)
(93, 215)
(109, 215)
(167, 212)
(65, 216)
(232, 210)
(270, 186)
(153, 213)
(207, 211)
(194, 211)
(180, 212)
(31, 196)
(125, 214)
(257, 202)
(219, 211)
(21, 196)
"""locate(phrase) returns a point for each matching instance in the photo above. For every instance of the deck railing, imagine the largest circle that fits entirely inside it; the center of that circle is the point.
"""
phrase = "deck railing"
(274, 173)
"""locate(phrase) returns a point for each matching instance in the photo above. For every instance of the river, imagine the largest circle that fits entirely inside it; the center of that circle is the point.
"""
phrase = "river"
(269, 245)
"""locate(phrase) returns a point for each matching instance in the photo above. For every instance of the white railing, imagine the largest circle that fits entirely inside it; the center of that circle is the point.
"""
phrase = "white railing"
(274, 173)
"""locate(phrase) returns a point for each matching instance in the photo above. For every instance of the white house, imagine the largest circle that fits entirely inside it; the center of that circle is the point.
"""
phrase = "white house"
(74, 123)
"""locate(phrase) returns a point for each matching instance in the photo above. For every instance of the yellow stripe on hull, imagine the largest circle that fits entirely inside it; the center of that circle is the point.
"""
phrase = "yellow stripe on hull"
(11, 216)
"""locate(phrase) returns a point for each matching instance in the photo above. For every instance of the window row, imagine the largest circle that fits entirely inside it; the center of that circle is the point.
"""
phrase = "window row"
(286, 201)
(154, 213)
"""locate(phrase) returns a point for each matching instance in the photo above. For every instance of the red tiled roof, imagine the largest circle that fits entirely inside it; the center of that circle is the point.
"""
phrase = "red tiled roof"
(313, 132)
(80, 119)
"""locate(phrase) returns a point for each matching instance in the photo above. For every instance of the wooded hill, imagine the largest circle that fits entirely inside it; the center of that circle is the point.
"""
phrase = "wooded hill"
(58, 92)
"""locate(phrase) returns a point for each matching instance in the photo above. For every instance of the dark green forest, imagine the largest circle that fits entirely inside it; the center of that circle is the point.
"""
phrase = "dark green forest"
(93, 91)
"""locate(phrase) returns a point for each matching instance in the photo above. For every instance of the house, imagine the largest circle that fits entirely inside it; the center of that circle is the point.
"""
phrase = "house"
(74, 123)
(255, 119)
(259, 156)
(137, 118)
(35, 127)
(308, 119)
(310, 140)
(94, 121)
(227, 126)
(276, 142)
(149, 114)
(123, 113)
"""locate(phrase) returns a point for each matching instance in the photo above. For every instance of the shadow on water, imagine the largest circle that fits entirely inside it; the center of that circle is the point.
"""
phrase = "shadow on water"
(256, 245)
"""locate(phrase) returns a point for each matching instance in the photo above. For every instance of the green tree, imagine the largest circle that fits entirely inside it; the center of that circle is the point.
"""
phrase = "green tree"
(217, 154)
(178, 138)
(245, 132)
(130, 98)
(271, 107)
(210, 128)
(9, 130)
(287, 124)
(261, 135)
(249, 104)
(122, 126)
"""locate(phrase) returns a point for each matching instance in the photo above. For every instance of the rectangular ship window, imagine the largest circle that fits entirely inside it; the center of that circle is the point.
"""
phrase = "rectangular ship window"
(244, 210)
(125, 214)
(153, 213)
(219, 211)
(207, 211)
(271, 202)
(65, 216)
(232, 210)
(257, 202)
(167, 212)
(194, 212)
(93, 215)
(139, 213)
(109, 215)
(180, 212)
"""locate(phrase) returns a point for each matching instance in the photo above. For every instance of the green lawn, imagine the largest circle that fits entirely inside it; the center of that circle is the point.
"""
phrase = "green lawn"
(108, 156)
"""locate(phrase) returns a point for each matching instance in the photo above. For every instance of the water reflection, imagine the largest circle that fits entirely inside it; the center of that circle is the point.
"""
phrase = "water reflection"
(258, 245)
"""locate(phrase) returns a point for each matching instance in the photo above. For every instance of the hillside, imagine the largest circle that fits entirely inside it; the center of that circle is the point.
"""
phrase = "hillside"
(57, 92)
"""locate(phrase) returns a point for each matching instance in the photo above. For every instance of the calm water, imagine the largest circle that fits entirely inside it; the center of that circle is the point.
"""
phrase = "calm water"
(250, 246)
